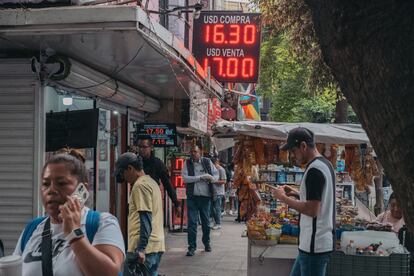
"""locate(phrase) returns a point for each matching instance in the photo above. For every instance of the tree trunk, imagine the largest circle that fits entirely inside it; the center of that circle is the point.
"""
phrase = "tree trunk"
(379, 191)
(369, 46)
(341, 111)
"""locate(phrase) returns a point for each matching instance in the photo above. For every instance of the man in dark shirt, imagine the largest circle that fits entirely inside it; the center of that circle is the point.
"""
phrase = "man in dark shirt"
(155, 168)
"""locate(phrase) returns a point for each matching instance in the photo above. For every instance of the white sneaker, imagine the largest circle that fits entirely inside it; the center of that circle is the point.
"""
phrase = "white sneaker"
(216, 227)
(223, 213)
(230, 212)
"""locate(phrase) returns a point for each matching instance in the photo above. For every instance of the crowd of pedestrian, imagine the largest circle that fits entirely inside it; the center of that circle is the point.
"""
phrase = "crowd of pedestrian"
(72, 239)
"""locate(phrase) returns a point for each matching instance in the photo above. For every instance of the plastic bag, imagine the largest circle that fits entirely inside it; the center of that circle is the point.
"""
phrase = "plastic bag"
(133, 267)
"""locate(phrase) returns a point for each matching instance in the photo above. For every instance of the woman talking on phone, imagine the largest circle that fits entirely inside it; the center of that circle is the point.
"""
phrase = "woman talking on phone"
(70, 239)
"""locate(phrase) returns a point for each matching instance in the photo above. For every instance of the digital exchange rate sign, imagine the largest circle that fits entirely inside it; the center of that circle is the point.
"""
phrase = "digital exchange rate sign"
(228, 43)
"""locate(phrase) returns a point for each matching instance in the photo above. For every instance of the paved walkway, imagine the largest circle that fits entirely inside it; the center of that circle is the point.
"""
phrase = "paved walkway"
(228, 258)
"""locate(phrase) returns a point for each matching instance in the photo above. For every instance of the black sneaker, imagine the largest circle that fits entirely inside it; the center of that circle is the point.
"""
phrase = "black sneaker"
(190, 253)
(208, 248)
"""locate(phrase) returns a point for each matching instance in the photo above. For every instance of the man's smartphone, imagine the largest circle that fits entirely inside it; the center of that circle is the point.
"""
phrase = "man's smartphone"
(81, 193)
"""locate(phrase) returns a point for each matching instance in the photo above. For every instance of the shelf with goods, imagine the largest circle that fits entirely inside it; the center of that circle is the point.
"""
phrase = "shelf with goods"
(274, 220)
(364, 247)
(258, 163)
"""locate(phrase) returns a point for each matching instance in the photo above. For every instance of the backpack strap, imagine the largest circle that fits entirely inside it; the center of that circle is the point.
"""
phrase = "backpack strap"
(92, 224)
(28, 231)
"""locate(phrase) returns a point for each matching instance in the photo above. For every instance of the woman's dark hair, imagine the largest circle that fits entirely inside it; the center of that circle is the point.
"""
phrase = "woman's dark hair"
(392, 196)
(75, 166)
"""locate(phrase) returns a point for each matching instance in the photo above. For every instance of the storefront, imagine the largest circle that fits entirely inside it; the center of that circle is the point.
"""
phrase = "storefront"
(113, 58)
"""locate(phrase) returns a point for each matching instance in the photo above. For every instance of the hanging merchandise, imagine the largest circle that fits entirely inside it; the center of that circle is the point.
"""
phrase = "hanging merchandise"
(329, 151)
(259, 151)
(349, 157)
(248, 153)
(362, 166)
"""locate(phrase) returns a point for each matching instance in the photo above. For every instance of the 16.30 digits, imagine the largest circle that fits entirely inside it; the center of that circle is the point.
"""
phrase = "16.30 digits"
(236, 34)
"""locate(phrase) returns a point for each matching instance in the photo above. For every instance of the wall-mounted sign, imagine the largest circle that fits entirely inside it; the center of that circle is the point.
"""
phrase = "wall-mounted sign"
(162, 135)
(214, 112)
(199, 113)
(228, 43)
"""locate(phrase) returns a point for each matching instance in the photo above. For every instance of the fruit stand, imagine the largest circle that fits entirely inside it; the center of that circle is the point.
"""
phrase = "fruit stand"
(272, 226)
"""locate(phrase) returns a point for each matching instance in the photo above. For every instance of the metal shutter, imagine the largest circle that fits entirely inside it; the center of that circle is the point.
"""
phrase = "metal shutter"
(17, 150)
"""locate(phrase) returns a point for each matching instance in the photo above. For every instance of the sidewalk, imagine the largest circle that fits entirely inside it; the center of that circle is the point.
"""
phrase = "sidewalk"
(228, 258)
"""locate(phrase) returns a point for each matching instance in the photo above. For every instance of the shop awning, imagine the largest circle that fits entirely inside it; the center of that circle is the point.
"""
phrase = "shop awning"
(324, 133)
(121, 42)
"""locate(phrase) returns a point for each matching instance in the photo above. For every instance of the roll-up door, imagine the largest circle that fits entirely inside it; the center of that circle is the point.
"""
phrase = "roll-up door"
(18, 150)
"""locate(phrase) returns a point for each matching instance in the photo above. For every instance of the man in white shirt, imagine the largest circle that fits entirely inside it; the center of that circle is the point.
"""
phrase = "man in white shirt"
(316, 204)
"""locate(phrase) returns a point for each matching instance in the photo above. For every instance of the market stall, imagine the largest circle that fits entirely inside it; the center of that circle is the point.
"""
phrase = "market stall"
(273, 227)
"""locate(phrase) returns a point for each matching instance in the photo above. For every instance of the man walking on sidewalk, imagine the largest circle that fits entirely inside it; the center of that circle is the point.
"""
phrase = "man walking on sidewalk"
(199, 174)
(145, 218)
(219, 193)
(316, 204)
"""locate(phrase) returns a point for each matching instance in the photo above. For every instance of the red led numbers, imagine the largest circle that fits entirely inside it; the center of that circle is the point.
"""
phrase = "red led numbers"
(234, 34)
(247, 67)
(231, 67)
(219, 62)
(230, 34)
(227, 45)
(249, 34)
(179, 164)
(218, 35)
(178, 181)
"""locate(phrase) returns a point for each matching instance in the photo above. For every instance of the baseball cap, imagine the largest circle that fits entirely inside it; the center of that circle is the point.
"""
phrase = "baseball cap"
(297, 136)
(122, 163)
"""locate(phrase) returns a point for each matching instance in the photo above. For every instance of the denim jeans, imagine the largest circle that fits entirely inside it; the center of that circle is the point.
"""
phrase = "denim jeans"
(310, 264)
(152, 261)
(198, 206)
(217, 202)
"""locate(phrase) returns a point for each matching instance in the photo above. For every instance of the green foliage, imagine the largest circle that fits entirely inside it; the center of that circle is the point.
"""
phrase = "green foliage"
(294, 75)
(284, 79)
(317, 109)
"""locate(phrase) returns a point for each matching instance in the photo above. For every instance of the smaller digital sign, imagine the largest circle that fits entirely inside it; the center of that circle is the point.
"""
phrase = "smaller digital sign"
(229, 44)
(162, 135)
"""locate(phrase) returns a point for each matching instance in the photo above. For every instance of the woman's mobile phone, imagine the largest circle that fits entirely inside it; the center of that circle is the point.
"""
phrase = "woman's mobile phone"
(81, 193)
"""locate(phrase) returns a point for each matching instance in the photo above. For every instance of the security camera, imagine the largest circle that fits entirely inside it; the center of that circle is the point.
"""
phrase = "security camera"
(197, 10)
(197, 14)
(36, 67)
(198, 6)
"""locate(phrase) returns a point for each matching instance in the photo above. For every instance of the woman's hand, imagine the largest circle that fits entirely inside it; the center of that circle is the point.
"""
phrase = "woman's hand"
(70, 214)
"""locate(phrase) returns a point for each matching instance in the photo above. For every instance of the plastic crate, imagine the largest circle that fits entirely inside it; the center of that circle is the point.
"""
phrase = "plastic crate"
(341, 264)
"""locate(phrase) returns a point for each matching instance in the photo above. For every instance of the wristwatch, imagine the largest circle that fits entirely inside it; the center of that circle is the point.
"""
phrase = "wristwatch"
(75, 234)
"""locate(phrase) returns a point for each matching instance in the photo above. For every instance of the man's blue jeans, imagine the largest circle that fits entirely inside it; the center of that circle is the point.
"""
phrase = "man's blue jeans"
(152, 262)
(310, 264)
(198, 206)
(217, 202)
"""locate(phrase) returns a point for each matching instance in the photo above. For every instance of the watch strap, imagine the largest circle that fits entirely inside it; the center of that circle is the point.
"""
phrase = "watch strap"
(73, 235)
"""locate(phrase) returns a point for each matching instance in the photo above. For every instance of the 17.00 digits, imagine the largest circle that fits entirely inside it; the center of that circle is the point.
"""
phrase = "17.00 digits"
(231, 67)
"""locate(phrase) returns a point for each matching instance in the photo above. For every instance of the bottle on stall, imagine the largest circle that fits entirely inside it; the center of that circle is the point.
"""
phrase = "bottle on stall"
(350, 248)
(381, 251)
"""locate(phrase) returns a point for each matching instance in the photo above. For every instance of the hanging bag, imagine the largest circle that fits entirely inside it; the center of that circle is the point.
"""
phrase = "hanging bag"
(133, 267)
